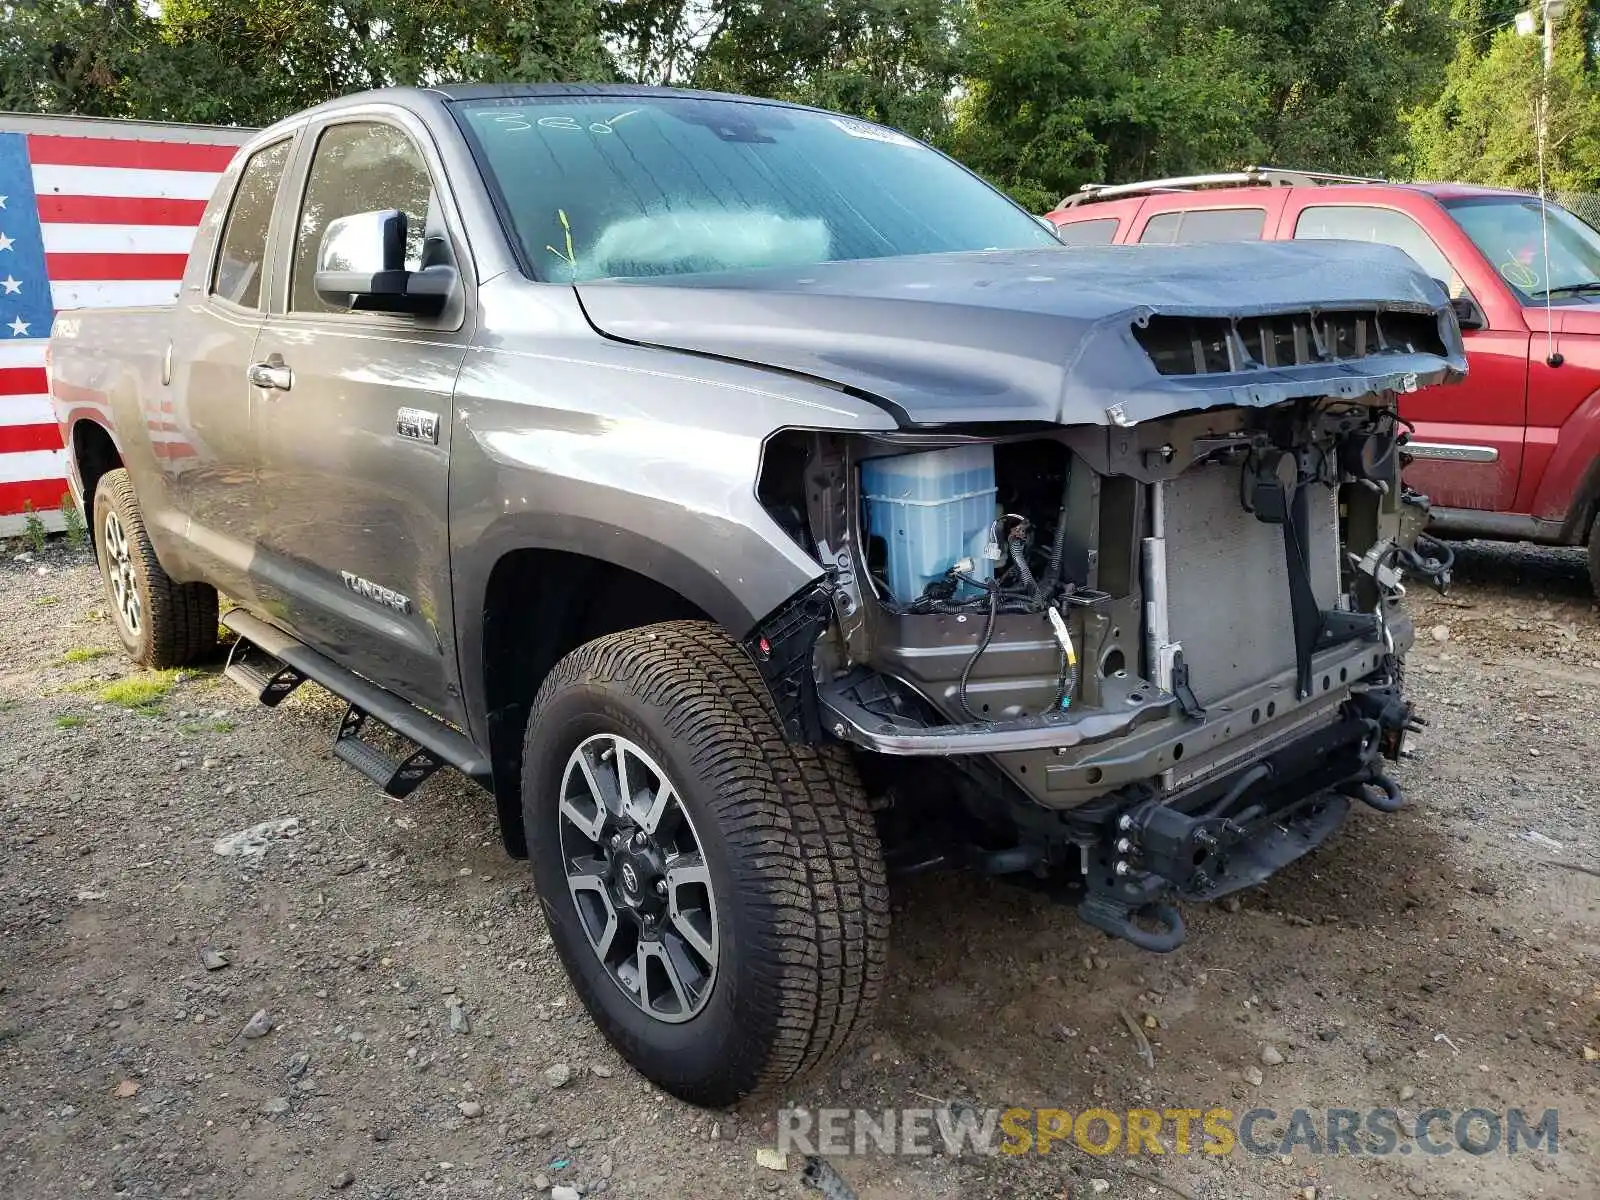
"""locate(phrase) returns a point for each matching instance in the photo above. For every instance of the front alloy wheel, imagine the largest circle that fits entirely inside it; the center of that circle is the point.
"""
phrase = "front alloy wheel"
(716, 894)
(638, 877)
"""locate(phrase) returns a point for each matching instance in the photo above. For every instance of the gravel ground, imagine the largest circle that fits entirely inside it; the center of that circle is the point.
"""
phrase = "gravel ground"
(421, 1040)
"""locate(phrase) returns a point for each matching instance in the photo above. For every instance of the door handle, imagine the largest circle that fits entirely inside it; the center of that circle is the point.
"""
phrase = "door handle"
(271, 375)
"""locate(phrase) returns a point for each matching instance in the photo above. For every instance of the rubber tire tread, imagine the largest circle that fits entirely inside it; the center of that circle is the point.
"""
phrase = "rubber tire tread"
(808, 862)
(180, 619)
(1594, 556)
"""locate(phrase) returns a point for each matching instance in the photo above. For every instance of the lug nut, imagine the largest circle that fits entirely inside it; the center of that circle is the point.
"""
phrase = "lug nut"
(1124, 846)
(661, 887)
(1125, 822)
(1122, 867)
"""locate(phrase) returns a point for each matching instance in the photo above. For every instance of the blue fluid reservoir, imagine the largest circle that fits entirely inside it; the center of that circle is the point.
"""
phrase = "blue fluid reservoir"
(932, 510)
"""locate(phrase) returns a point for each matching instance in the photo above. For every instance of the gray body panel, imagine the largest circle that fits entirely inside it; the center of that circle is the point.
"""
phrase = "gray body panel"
(623, 422)
(1031, 335)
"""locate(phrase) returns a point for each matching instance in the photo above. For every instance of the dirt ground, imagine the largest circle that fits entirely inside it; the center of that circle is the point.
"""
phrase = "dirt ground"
(1446, 956)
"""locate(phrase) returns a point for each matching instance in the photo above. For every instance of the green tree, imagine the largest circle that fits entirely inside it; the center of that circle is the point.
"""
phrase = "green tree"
(1483, 125)
(1060, 92)
(81, 56)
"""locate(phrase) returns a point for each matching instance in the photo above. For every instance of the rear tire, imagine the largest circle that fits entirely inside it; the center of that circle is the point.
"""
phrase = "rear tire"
(162, 623)
(743, 981)
(1594, 556)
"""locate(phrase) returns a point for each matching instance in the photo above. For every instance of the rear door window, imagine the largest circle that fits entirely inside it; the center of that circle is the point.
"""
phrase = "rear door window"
(243, 254)
(1206, 225)
(1088, 233)
(1360, 223)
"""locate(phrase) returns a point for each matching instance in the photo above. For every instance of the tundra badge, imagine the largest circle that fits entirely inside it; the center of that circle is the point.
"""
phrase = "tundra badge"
(376, 592)
(418, 425)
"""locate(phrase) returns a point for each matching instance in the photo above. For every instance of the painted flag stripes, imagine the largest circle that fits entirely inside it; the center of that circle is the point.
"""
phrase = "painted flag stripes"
(86, 221)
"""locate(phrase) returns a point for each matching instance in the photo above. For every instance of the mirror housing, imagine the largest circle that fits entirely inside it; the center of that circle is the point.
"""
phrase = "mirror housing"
(1468, 314)
(361, 265)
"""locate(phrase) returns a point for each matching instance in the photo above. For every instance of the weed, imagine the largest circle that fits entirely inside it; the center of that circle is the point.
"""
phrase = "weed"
(69, 721)
(83, 654)
(222, 727)
(139, 691)
(46, 601)
(32, 528)
(77, 531)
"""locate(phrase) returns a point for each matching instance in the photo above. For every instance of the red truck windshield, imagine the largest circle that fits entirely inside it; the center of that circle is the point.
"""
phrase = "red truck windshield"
(626, 186)
(1511, 234)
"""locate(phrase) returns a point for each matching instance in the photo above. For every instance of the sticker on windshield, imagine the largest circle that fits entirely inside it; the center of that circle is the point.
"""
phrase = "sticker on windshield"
(872, 133)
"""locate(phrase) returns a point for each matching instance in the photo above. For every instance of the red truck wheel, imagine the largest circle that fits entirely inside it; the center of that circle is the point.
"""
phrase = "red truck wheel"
(1594, 556)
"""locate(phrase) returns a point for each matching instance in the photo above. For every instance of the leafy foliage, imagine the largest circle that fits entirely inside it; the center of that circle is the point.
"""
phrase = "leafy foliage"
(1482, 125)
(1039, 95)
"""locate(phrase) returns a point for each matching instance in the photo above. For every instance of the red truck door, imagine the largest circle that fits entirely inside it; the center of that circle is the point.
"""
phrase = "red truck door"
(1468, 442)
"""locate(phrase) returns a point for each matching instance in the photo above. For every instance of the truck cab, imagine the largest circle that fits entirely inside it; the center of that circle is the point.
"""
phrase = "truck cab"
(1514, 451)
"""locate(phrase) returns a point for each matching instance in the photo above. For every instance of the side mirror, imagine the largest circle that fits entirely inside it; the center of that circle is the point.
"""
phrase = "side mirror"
(361, 264)
(1468, 314)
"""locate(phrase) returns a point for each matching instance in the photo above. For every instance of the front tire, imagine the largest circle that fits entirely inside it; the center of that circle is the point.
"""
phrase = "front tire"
(162, 623)
(716, 894)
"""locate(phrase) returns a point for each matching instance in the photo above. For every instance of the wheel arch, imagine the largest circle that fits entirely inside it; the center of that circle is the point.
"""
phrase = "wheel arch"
(538, 603)
(94, 452)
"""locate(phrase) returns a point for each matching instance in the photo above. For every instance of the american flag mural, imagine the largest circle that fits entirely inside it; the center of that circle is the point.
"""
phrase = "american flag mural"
(92, 214)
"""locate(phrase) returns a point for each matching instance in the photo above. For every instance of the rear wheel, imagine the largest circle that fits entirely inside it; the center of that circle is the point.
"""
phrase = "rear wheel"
(716, 894)
(1594, 556)
(162, 623)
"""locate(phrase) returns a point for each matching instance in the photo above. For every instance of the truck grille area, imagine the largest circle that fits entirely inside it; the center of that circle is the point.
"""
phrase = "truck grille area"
(1228, 581)
(1222, 345)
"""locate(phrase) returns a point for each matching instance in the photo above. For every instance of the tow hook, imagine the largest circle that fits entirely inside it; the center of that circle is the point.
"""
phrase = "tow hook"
(1391, 716)
(1377, 790)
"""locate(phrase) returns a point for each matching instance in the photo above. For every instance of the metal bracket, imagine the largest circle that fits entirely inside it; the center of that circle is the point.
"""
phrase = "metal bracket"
(1192, 707)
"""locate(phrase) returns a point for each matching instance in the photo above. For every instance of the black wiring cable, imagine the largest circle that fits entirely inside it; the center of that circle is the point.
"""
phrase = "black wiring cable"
(966, 671)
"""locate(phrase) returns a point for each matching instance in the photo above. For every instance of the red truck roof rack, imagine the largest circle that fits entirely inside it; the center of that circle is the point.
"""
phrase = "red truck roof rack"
(1249, 177)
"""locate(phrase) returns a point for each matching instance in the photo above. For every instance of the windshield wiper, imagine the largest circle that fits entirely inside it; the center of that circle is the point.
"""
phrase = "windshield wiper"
(1568, 289)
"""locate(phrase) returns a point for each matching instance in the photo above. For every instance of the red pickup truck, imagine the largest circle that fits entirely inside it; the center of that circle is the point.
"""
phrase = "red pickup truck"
(1514, 451)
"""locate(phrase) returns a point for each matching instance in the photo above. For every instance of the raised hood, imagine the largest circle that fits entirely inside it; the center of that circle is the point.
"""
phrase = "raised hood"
(1109, 335)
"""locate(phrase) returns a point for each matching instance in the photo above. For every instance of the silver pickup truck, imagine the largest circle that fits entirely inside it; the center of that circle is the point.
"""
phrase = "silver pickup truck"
(755, 502)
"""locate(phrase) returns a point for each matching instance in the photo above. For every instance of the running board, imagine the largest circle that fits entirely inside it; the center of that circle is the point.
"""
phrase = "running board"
(273, 656)
(267, 678)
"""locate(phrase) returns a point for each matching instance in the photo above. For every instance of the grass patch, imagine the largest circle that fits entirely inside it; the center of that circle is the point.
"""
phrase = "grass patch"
(139, 691)
(68, 721)
(48, 600)
(222, 727)
(83, 654)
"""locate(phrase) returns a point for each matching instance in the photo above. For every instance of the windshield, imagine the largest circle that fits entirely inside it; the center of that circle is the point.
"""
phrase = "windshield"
(627, 186)
(1507, 230)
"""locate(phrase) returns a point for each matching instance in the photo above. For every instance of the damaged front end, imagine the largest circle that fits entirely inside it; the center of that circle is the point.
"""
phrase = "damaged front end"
(1158, 660)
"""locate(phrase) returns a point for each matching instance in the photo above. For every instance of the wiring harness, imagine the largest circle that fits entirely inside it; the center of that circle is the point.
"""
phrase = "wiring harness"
(1015, 587)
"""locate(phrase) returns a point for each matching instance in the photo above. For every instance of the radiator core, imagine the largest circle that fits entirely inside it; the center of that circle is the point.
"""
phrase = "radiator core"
(1228, 581)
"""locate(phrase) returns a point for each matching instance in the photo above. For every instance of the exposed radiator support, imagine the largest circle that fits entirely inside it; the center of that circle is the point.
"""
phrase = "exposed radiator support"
(1160, 649)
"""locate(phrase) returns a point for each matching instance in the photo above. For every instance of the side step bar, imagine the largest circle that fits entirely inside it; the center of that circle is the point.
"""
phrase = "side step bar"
(271, 664)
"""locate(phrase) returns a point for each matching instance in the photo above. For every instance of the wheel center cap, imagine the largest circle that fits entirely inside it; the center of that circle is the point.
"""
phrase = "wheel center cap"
(637, 870)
